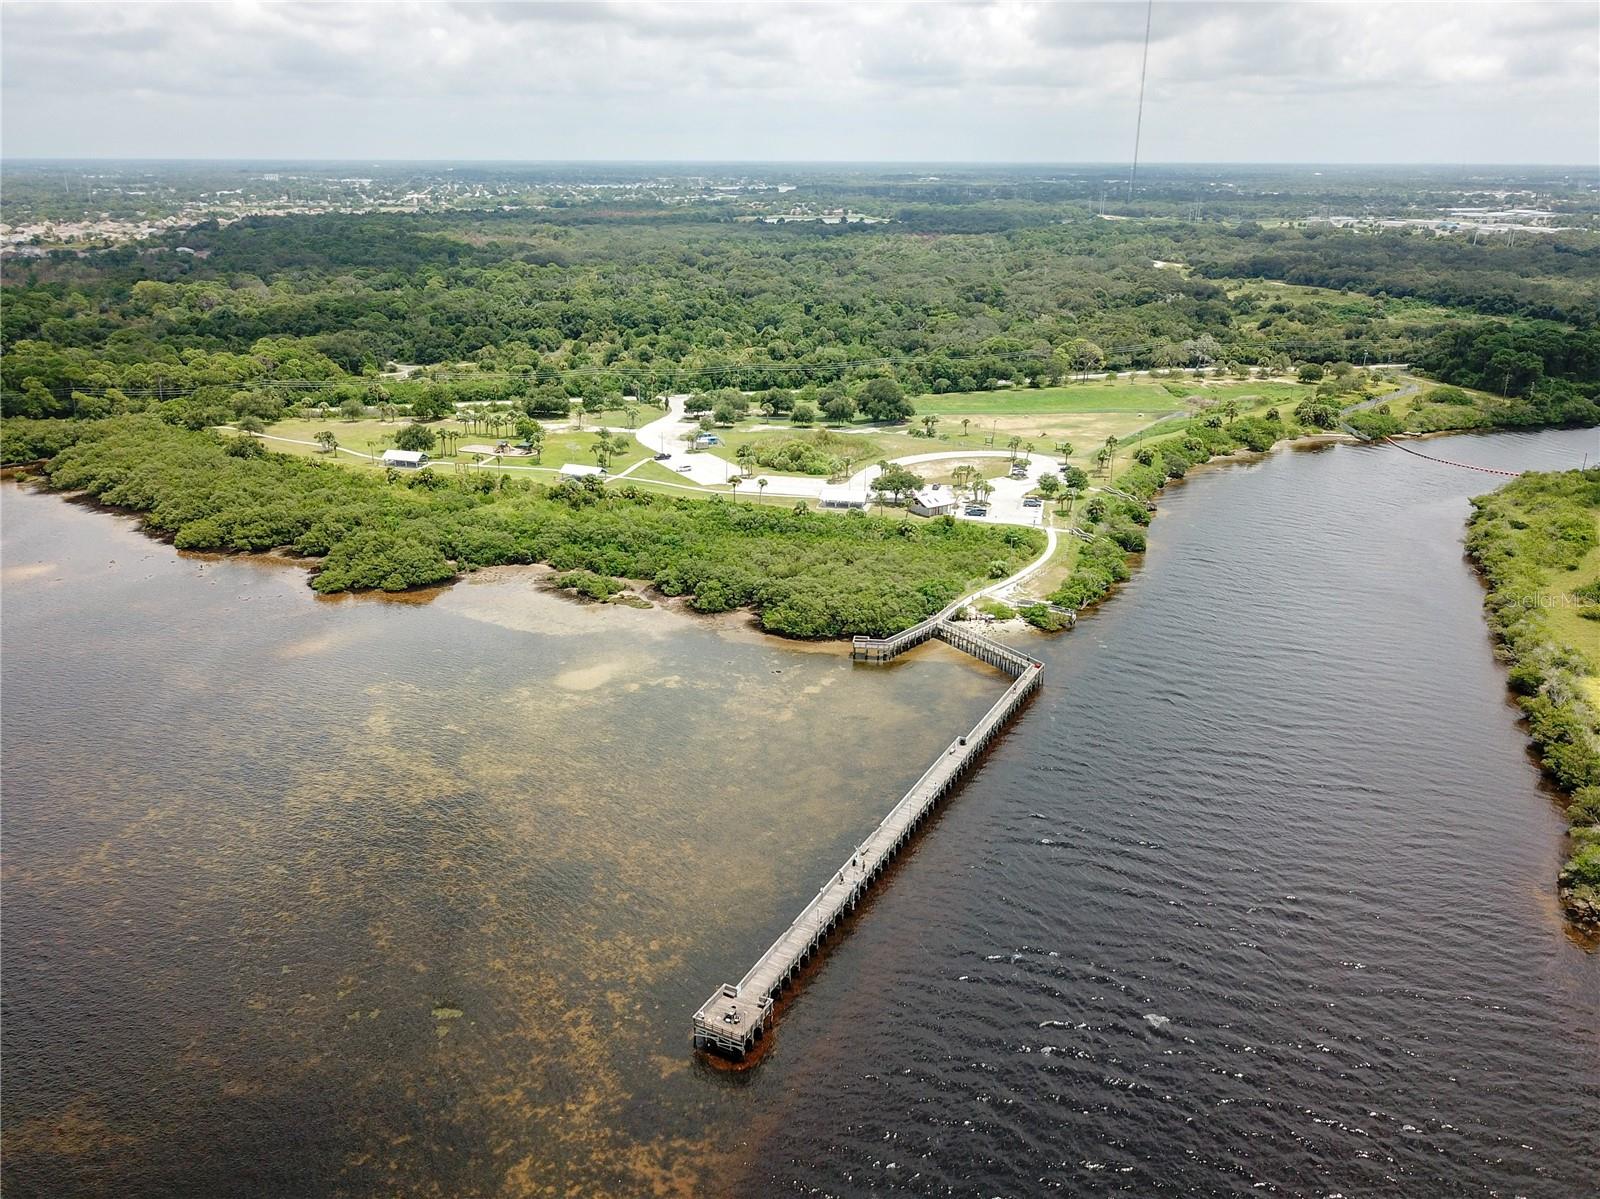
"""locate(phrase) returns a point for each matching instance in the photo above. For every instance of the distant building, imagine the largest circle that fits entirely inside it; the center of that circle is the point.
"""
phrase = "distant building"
(405, 459)
(937, 500)
(842, 498)
(577, 470)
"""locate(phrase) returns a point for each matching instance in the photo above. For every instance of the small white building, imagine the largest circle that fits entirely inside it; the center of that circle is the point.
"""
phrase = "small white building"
(937, 500)
(842, 498)
(577, 470)
(405, 459)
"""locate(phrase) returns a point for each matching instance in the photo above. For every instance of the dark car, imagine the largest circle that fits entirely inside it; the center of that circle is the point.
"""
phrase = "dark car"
(663, 456)
(977, 510)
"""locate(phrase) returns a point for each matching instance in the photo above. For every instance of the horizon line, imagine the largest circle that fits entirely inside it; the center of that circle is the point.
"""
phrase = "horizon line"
(792, 162)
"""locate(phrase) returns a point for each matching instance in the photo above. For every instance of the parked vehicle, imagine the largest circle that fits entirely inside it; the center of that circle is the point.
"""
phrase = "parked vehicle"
(663, 456)
(1033, 501)
(977, 510)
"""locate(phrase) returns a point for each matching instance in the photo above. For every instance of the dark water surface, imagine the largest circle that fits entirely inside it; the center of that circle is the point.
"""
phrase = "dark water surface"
(309, 897)
(1258, 897)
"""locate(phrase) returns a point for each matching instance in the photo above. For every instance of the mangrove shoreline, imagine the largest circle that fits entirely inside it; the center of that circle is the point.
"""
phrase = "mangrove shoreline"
(1536, 545)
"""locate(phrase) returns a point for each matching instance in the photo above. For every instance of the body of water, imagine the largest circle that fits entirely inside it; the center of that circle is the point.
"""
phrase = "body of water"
(356, 896)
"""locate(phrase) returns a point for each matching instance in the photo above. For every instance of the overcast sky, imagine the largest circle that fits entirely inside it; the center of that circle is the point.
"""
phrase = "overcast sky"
(1235, 82)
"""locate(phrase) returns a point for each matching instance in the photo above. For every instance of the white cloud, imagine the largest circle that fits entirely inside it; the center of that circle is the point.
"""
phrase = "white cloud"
(999, 80)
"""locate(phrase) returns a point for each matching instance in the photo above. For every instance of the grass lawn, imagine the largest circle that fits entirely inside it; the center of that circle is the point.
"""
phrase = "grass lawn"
(1142, 394)
(944, 470)
(1085, 431)
(560, 448)
(654, 472)
(1039, 586)
(375, 436)
(860, 448)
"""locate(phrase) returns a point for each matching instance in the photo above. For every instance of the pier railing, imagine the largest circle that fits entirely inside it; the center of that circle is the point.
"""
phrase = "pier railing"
(882, 649)
(736, 1016)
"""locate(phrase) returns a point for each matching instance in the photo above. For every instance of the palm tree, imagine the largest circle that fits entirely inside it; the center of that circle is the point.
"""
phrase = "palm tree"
(746, 456)
(328, 442)
(631, 412)
(761, 483)
(1013, 445)
(1230, 410)
(733, 485)
(1064, 448)
(965, 421)
(930, 420)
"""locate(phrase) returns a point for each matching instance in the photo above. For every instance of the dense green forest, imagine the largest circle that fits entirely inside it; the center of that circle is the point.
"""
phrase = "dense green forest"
(805, 574)
(1537, 542)
(254, 316)
(965, 285)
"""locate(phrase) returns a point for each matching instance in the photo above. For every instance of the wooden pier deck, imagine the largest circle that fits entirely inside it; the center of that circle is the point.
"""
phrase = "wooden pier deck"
(737, 1015)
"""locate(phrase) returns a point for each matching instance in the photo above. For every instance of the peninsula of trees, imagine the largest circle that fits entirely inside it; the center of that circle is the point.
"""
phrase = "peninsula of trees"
(1537, 542)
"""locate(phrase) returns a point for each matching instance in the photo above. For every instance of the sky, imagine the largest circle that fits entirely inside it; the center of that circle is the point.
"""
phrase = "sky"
(975, 81)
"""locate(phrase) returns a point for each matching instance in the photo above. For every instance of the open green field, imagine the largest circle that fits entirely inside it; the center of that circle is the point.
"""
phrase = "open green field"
(654, 472)
(1142, 395)
(862, 448)
(294, 435)
(1340, 303)
(656, 476)
(1085, 431)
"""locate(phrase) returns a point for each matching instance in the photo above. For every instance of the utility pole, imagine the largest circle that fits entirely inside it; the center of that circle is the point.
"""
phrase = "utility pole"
(1138, 125)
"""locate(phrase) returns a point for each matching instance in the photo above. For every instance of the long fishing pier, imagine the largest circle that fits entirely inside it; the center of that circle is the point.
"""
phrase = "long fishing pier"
(737, 1016)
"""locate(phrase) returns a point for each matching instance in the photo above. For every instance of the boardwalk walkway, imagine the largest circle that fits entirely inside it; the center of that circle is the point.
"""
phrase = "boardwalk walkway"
(737, 1015)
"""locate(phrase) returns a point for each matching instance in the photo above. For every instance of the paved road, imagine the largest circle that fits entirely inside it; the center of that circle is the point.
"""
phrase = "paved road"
(1410, 389)
(1005, 505)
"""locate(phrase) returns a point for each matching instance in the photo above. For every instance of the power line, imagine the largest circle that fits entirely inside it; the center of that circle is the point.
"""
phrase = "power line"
(1138, 124)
